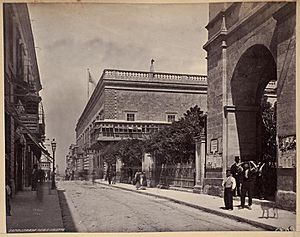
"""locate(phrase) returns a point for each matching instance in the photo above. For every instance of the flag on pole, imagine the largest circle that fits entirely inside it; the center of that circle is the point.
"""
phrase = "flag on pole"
(90, 78)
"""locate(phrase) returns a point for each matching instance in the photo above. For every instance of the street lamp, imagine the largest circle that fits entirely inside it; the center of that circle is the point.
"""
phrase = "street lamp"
(53, 145)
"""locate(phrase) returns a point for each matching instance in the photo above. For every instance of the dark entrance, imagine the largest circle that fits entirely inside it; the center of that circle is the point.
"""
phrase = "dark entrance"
(252, 75)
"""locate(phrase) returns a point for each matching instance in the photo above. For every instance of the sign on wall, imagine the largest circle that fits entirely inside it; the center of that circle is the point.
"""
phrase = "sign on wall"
(214, 146)
(213, 161)
(44, 165)
(287, 159)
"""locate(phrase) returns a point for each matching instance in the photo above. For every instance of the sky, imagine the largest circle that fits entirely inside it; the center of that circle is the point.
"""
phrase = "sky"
(70, 38)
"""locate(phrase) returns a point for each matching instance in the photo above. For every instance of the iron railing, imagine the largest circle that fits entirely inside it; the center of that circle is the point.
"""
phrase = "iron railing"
(181, 175)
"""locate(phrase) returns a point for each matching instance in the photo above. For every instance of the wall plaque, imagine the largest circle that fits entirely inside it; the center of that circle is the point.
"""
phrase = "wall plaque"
(213, 146)
(213, 161)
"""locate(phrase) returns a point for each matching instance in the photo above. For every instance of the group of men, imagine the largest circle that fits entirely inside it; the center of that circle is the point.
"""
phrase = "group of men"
(38, 176)
(240, 180)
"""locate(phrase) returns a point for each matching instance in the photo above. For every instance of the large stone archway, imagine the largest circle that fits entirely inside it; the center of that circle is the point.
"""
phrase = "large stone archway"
(249, 45)
(254, 70)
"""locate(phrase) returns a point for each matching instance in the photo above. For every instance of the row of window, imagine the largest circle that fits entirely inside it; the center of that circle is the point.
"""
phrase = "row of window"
(109, 132)
(131, 117)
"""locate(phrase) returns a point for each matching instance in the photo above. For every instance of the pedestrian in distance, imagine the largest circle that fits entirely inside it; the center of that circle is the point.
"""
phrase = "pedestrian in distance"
(236, 171)
(66, 174)
(53, 185)
(130, 179)
(40, 181)
(229, 185)
(113, 177)
(143, 179)
(72, 175)
(7, 197)
(113, 180)
(108, 175)
(34, 178)
(137, 180)
(93, 177)
(249, 177)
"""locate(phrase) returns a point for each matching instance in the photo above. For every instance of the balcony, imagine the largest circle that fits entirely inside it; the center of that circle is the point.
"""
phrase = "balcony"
(114, 130)
(30, 121)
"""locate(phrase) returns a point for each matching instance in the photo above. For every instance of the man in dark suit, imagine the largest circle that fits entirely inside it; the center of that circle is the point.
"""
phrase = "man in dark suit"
(236, 171)
(249, 177)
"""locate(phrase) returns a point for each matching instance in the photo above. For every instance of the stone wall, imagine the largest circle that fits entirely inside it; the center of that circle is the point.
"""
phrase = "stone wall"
(110, 104)
(154, 105)
(233, 103)
(90, 115)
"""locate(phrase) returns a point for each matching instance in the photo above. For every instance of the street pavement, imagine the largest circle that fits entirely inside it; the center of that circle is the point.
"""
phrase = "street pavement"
(30, 214)
(284, 220)
(100, 208)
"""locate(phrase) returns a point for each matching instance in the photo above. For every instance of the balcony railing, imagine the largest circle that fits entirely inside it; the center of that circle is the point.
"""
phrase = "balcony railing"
(118, 130)
(154, 76)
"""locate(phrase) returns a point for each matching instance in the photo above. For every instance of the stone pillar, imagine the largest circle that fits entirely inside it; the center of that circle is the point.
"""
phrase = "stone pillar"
(224, 99)
(200, 163)
(286, 196)
(118, 169)
(148, 166)
(91, 162)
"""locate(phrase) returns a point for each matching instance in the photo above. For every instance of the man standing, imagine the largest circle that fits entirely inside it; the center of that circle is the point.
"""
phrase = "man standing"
(236, 171)
(34, 177)
(8, 196)
(53, 186)
(261, 180)
(93, 177)
(249, 176)
(229, 185)
(109, 174)
(40, 181)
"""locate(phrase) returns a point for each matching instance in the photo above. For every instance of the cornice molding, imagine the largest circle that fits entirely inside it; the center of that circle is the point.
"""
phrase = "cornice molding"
(134, 84)
(221, 35)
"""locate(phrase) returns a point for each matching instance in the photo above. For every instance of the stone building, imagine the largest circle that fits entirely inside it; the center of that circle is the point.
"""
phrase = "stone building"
(24, 115)
(249, 45)
(132, 104)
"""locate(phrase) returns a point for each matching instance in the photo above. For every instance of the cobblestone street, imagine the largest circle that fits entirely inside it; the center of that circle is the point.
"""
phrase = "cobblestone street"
(98, 208)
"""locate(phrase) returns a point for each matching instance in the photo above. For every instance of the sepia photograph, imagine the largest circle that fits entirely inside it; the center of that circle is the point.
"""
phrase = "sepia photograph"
(149, 117)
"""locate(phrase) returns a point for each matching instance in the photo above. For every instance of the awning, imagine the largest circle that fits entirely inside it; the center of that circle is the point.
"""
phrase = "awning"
(46, 153)
(39, 146)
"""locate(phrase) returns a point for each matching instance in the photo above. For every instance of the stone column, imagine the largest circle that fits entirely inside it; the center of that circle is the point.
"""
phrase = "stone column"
(224, 99)
(118, 169)
(200, 163)
(286, 196)
(147, 167)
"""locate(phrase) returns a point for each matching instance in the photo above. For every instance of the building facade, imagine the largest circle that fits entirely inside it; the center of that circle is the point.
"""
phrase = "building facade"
(250, 45)
(24, 115)
(133, 104)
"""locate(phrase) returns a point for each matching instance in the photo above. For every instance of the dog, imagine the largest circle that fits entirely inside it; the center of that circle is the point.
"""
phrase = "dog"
(266, 207)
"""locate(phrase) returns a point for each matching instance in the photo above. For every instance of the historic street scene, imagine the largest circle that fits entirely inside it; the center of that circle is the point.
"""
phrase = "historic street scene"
(124, 118)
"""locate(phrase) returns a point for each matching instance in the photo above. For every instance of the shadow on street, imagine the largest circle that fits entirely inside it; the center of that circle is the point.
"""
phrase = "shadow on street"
(68, 221)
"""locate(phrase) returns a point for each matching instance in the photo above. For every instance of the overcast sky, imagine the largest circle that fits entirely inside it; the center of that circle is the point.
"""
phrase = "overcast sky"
(70, 38)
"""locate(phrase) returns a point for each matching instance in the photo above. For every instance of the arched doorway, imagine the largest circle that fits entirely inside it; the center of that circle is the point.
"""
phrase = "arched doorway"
(255, 69)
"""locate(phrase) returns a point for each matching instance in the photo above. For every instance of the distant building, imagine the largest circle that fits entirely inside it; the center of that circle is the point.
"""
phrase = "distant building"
(24, 115)
(133, 104)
